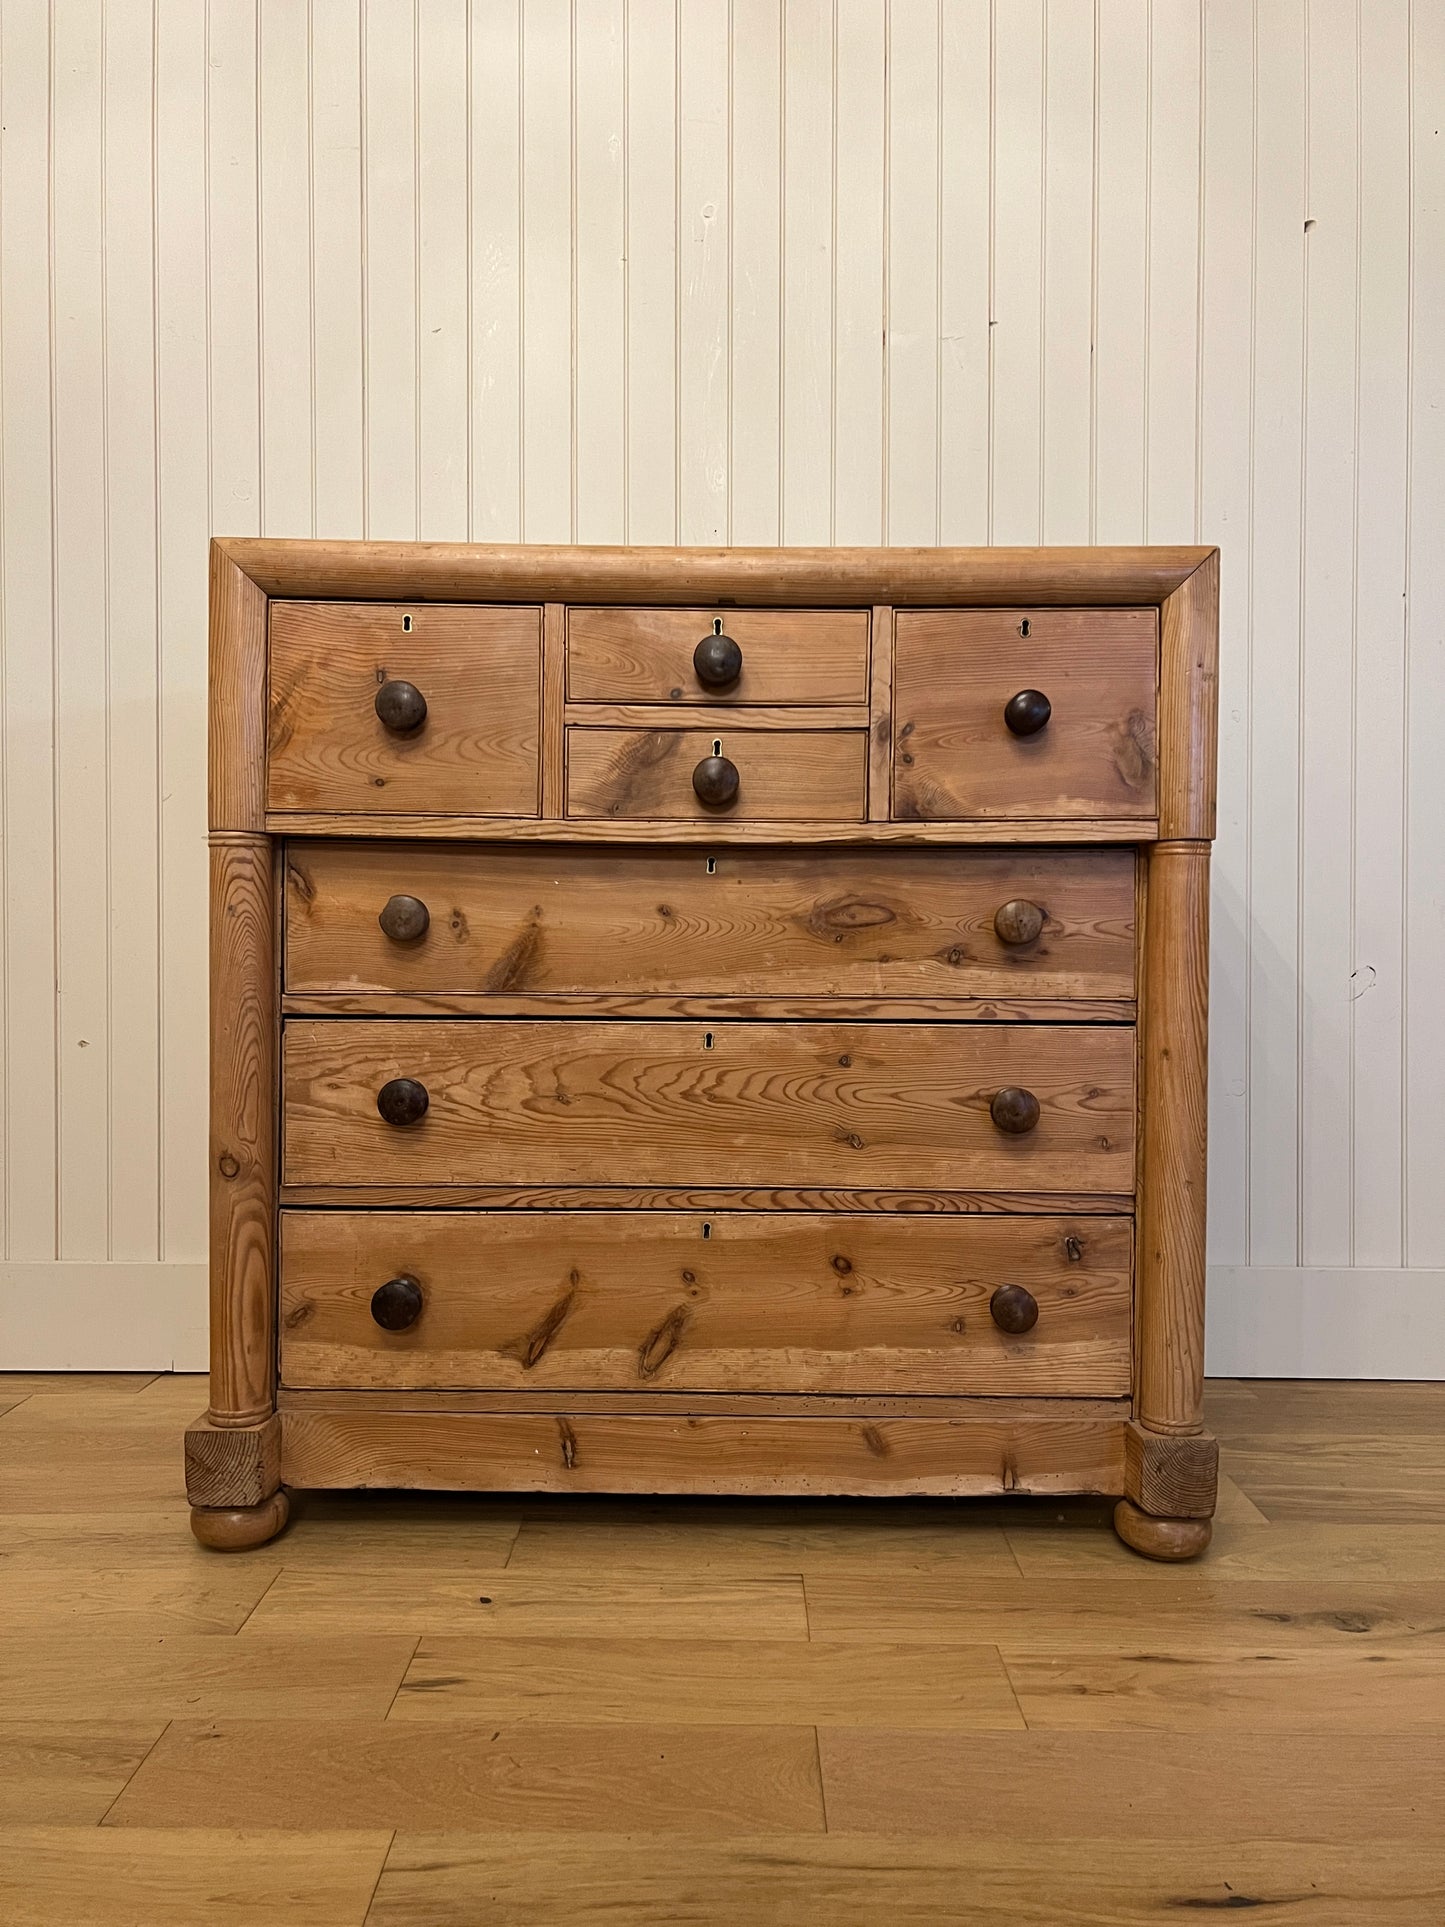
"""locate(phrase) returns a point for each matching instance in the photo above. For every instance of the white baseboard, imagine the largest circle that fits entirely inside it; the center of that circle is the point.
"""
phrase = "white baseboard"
(1264, 1321)
(1269, 1321)
(103, 1317)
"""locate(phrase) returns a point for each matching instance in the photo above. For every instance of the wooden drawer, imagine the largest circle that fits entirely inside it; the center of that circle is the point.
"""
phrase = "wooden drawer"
(784, 775)
(894, 1105)
(955, 673)
(507, 922)
(738, 1302)
(478, 670)
(802, 656)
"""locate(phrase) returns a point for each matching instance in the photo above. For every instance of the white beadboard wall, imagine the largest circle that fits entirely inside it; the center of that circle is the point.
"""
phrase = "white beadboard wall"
(906, 271)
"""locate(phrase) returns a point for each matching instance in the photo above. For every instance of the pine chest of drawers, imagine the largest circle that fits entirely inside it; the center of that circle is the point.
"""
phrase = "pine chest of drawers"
(709, 1021)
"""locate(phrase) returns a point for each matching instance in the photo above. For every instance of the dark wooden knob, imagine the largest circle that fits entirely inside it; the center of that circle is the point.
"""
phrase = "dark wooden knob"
(402, 1101)
(1012, 1309)
(716, 781)
(1017, 922)
(404, 919)
(718, 661)
(1027, 712)
(398, 1303)
(401, 706)
(1014, 1111)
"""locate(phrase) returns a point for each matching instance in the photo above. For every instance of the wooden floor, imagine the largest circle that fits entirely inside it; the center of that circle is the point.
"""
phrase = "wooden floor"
(435, 1712)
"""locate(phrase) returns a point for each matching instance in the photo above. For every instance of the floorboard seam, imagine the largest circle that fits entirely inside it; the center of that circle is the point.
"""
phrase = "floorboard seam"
(818, 1768)
(257, 1602)
(134, 1770)
(1013, 1690)
(376, 1884)
(416, 1648)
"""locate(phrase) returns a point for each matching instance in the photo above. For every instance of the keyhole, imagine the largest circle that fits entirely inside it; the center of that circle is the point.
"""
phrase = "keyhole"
(707, 1231)
(1024, 627)
(717, 745)
(707, 1040)
(717, 625)
(406, 625)
(712, 866)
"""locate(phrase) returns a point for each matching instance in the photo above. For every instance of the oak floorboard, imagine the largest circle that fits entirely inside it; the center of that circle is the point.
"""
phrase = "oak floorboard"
(67, 1773)
(196, 1877)
(1289, 1549)
(1143, 1785)
(716, 1682)
(320, 1774)
(1343, 1477)
(582, 1605)
(857, 1880)
(91, 1384)
(1107, 1614)
(1338, 1691)
(67, 1676)
(193, 1596)
(1409, 1409)
(741, 1537)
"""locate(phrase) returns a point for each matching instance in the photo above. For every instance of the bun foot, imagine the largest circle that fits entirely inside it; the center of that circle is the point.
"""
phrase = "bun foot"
(234, 1528)
(1161, 1538)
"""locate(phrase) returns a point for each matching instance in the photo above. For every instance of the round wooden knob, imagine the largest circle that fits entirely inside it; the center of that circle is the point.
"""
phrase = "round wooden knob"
(718, 661)
(1014, 1111)
(1012, 1309)
(402, 1101)
(398, 1303)
(716, 781)
(1027, 712)
(404, 919)
(1017, 922)
(401, 706)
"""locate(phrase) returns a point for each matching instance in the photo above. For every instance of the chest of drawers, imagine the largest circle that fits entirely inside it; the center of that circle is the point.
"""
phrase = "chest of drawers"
(709, 1021)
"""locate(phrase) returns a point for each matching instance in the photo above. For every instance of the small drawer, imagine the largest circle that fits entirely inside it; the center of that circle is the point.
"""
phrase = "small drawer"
(509, 921)
(1018, 714)
(802, 656)
(896, 1106)
(404, 709)
(739, 776)
(615, 1301)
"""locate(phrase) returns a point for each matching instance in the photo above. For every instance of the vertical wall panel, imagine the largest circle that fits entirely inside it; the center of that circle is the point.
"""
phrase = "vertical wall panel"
(28, 962)
(629, 270)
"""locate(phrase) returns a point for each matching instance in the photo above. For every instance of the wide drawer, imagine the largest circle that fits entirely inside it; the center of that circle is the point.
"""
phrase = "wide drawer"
(965, 748)
(622, 1301)
(798, 656)
(404, 710)
(507, 920)
(891, 1105)
(782, 776)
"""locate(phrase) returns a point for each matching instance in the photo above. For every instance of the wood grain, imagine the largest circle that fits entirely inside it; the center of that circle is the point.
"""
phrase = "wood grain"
(955, 670)
(709, 1681)
(703, 1197)
(1174, 1072)
(522, 1452)
(488, 1774)
(67, 1773)
(1189, 705)
(857, 1880)
(880, 720)
(236, 731)
(547, 1103)
(1173, 1477)
(802, 1303)
(645, 655)
(786, 775)
(479, 670)
(458, 826)
(243, 1131)
(110, 1877)
(652, 924)
(824, 577)
(232, 1465)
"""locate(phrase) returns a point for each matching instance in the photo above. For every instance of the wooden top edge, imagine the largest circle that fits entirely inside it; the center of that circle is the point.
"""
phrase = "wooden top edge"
(836, 577)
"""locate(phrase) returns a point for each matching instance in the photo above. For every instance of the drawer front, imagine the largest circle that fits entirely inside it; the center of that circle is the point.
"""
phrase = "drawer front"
(956, 673)
(892, 1106)
(476, 670)
(510, 920)
(783, 775)
(780, 656)
(739, 1302)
